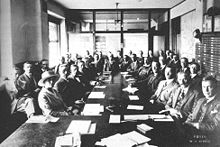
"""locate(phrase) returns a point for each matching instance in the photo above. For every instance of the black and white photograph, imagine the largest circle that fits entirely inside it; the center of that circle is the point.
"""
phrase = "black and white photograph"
(109, 73)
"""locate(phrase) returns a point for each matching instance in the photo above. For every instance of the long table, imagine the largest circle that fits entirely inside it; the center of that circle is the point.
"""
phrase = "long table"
(44, 135)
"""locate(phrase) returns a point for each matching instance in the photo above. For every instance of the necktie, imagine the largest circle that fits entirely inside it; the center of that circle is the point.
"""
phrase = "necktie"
(182, 94)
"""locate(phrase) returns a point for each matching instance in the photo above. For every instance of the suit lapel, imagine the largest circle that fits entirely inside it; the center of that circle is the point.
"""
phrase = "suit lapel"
(175, 98)
(187, 97)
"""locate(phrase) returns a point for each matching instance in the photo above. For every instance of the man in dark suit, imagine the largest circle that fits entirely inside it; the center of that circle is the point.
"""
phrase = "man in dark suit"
(26, 83)
(62, 83)
(206, 113)
(207, 109)
(196, 79)
(182, 99)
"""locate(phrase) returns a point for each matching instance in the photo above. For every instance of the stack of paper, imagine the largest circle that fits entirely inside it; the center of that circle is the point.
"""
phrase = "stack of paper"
(144, 128)
(137, 137)
(101, 87)
(71, 140)
(80, 126)
(133, 97)
(124, 140)
(130, 89)
(96, 95)
(136, 117)
(93, 110)
(166, 118)
(155, 117)
(135, 107)
(115, 119)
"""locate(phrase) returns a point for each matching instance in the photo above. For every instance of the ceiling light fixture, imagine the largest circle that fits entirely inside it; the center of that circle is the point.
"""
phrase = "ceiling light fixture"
(117, 13)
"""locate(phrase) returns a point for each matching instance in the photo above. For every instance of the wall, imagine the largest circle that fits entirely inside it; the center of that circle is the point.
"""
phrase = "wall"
(6, 37)
(24, 32)
(191, 14)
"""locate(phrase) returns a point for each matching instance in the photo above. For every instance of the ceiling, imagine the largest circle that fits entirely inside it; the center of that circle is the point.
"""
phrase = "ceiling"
(123, 4)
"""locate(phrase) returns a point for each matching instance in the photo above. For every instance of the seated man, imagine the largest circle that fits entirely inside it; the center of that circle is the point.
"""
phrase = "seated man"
(75, 89)
(164, 89)
(17, 103)
(49, 99)
(26, 83)
(61, 84)
(144, 70)
(134, 66)
(182, 99)
(196, 78)
(148, 86)
(206, 113)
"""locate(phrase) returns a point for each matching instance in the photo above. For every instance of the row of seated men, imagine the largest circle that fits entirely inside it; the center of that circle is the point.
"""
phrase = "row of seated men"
(171, 85)
(182, 95)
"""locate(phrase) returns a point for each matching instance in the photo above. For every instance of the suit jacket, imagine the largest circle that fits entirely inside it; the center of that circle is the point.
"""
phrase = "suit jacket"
(51, 102)
(164, 91)
(209, 119)
(185, 105)
(196, 83)
(26, 86)
(61, 86)
(134, 66)
(11, 90)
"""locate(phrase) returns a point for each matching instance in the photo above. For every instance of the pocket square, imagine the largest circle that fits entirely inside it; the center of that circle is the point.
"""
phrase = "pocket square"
(214, 111)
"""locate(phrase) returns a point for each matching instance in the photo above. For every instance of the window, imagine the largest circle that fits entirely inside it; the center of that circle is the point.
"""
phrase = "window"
(54, 43)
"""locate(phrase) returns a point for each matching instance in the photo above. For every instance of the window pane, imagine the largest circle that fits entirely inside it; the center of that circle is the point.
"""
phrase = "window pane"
(159, 20)
(108, 21)
(109, 42)
(207, 23)
(135, 20)
(217, 23)
(136, 42)
(53, 32)
(79, 43)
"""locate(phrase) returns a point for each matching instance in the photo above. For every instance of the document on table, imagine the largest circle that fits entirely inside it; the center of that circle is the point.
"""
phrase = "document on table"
(137, 137)
(37, 119)
(81, 126)
(93, 109)
(116, 140)
(115, 119)
(130, 89)
(144, 128)
(136, 117)
(167, 118)
(133, 97)
(92, 128)
(96, 95)
(66, 140)
(42, 119)
(135, 107)
(124, 140)
(101, 87)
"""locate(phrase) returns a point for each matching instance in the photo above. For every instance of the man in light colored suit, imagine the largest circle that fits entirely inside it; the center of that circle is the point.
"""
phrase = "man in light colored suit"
(16, 102)
(182, 99)
(164, 89)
